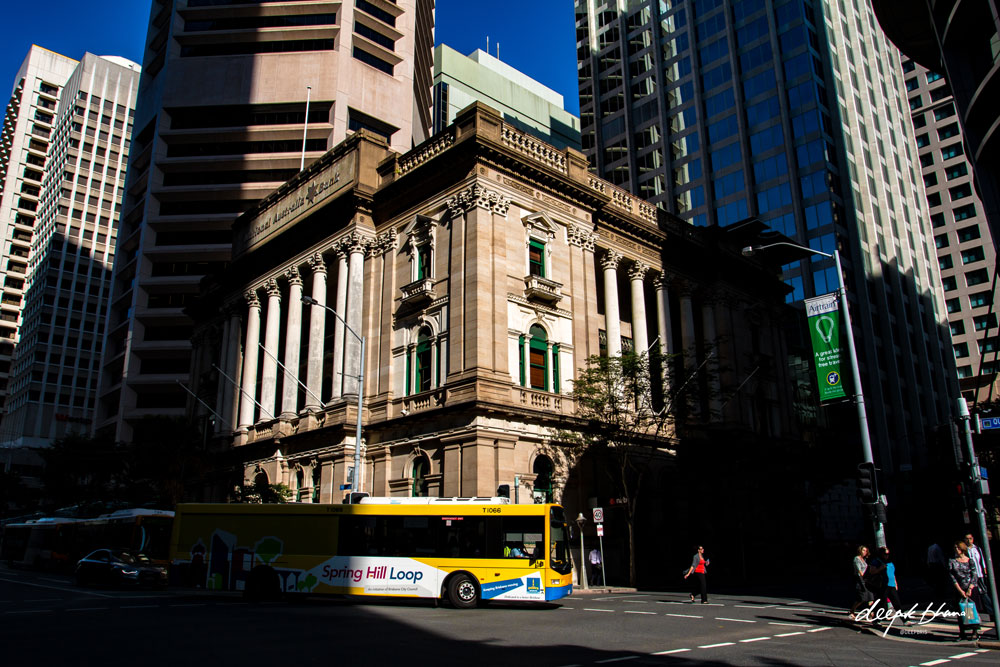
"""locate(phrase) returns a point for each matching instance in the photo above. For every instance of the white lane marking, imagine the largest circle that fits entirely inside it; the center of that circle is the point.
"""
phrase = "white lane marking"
(792, 625)
(638, 601)
(559, 607)
(140, 606)
(55, 588)
(627, 657)
(671, 602)
(627, 611)
(29, 611)
(932, 663)
(89, 609)
(800, 602)
(795, 608)
(819, 630)
(754, 606)
(982, 650)
(713, 604)
(789, 634)
(961, 655)
(717, 645)
(684, 615)
(673, 650)
(754, 639)
(622, 597)
(734, 620)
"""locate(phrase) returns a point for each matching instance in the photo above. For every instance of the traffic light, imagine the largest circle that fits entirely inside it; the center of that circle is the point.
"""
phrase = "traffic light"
(867, 489)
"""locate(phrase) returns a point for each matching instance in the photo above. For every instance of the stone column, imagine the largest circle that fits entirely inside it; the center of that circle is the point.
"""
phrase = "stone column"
(249, 389)
(435, 371)
(640, 339)
(230, 395)
(411, 356)
(353, 363)
(220, 389)
(688, 343)
(664, 326)
(269, 368)
(338, 325)
(612, 318)
(712, 362)
(317, 334)
(293, 340)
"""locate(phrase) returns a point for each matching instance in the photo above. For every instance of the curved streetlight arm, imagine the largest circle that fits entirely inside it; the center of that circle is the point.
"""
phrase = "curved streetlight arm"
(361, 391)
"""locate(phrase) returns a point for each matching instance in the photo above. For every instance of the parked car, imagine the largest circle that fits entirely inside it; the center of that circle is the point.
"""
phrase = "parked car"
(114, 567)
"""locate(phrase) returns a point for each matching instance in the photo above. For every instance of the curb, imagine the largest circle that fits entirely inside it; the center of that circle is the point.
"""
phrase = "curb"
(602, 590)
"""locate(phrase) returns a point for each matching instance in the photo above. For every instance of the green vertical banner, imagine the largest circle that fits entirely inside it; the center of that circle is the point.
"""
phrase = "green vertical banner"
(823, 315)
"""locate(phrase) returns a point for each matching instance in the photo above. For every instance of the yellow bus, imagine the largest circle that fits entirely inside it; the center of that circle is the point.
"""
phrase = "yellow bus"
(465, 550)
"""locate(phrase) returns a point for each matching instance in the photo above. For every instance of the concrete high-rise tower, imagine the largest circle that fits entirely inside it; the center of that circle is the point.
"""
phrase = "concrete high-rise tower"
(793, 112)
(24, 146)
(221, 122)
(55, 368)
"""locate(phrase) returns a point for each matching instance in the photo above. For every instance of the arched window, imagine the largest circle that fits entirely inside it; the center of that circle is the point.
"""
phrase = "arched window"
(421, 468)
(543, 479)
(537, 358)
(317, 472)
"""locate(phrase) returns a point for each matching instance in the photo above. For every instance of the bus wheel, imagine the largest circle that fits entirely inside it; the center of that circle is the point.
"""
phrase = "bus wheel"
(262, 583)
(463, 592)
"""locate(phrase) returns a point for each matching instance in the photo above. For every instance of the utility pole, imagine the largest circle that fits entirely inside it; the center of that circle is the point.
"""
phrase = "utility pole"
(977, 484)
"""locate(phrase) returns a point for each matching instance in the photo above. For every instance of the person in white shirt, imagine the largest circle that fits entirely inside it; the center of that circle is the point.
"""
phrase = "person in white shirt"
(976, 556)
(596, 573)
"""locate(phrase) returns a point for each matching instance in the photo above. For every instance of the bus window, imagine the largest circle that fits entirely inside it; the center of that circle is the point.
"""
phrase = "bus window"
(559, 558)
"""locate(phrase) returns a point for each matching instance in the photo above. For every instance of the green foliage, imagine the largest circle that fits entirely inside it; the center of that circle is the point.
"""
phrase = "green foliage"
(258, 492)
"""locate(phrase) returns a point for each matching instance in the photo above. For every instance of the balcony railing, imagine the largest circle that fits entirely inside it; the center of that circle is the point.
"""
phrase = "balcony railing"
(542, 289)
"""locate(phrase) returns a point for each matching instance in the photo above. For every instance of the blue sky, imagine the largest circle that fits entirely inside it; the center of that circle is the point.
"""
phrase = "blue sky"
(537, 37)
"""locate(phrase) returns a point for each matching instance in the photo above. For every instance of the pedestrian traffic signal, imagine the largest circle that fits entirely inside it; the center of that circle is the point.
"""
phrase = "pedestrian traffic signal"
(867, 489)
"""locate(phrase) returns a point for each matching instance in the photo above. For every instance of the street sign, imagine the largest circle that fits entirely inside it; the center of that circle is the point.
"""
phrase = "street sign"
(600, 530)
(598, 515)
(989, 422)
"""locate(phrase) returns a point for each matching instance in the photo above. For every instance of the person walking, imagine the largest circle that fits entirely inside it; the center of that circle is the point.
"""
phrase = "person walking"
(862, 596)
(937, 572)
(596, 571)
(891, 587)
(699, 565)
(963, 579)
(983, 589)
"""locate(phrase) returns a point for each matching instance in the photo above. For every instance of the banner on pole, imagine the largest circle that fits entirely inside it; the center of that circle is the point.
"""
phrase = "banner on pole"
(823, 313)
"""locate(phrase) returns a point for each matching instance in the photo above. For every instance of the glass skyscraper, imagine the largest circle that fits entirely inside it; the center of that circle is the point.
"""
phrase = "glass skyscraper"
(793, 112)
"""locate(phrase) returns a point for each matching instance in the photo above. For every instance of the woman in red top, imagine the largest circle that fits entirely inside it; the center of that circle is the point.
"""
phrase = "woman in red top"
(698, 569)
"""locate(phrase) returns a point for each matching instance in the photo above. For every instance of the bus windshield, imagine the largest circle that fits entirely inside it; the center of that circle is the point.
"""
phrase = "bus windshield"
(559, 531)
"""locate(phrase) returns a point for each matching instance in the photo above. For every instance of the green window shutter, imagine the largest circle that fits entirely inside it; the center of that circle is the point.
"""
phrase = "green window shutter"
(536, 258)
(555, 368)
(520, 358)
(406, 391)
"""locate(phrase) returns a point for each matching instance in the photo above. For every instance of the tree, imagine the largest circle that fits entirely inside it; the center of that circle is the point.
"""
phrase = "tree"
(261, 492)
(625, 423)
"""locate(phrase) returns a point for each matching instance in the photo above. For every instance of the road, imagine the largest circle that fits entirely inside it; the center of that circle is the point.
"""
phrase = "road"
(48, 620)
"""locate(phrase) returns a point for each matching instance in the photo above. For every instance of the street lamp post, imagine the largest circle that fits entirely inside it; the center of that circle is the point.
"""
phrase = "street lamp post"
(361, 390)
(580, 521)
(866, 443)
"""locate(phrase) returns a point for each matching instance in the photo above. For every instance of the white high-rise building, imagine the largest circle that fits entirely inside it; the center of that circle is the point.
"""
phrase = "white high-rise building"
(53, 376)
(24, 145)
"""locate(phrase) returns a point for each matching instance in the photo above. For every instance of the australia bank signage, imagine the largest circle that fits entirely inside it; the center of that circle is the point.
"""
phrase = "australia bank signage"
(295, 205)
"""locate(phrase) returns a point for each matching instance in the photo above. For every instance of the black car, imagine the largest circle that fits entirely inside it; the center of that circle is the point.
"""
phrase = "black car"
(114, 567)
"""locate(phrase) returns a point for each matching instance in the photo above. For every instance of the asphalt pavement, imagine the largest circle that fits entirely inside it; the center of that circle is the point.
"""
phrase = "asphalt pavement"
(47, 619)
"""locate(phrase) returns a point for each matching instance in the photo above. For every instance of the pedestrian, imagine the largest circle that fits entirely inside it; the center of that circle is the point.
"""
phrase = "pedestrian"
(876, 580)
(862, 596)
(983, 589)
(699, 568)
(963, 579)
(937, 572)
(596, 571)
(891, 586)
